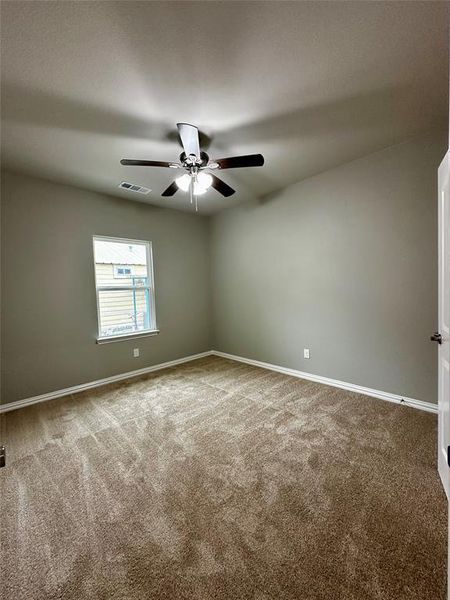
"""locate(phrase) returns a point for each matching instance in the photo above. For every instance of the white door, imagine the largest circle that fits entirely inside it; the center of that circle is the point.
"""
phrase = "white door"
(442, 335)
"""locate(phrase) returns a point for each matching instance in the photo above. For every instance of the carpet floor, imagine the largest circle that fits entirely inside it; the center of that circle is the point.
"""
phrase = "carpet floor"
(218, 480)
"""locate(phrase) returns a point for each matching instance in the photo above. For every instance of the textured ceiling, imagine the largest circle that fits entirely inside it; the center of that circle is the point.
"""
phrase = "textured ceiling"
(308, 84)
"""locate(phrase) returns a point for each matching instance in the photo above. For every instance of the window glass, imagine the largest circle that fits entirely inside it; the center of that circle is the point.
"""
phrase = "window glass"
(124, 287)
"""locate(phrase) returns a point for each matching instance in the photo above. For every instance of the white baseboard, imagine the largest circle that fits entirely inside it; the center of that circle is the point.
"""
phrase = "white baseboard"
(93, 384)
(359, 389)
(419, 404)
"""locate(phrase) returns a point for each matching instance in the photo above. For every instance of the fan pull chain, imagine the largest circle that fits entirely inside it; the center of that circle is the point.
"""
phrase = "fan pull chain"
(193, 182)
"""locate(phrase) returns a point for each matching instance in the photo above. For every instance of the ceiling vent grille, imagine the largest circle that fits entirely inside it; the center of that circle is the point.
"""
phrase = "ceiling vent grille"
(131, 187)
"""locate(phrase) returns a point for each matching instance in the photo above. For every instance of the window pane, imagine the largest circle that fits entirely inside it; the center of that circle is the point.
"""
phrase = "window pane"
(120, 263)
(123, 311)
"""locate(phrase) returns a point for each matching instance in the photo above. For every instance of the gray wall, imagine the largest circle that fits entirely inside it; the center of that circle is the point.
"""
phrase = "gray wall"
(344, 263)
(49, 318)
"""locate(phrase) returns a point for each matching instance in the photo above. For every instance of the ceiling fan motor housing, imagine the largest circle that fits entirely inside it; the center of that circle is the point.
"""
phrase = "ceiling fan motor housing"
(189, 161)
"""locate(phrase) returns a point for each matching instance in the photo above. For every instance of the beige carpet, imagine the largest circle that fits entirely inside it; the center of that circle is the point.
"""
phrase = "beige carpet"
(216, 480)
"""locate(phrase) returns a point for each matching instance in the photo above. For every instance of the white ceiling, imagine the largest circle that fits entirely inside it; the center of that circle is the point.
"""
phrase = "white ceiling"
(308, 84)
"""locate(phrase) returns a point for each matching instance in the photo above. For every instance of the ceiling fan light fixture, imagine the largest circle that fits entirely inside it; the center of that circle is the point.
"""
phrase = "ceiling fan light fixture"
(204, 180)
(183, 182)
(199, 190)
(202, 184)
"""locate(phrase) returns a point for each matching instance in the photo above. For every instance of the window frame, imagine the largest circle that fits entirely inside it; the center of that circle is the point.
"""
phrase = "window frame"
(153, 329)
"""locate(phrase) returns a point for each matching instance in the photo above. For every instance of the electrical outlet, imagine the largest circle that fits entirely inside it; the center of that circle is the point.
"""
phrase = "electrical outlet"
(136, 352)
(305, 352)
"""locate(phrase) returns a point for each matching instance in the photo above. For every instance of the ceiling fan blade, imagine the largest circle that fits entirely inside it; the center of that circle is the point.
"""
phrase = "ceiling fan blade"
(189, 139)
(221, 187)
(144, 163)
(237, 162)
(170, 191)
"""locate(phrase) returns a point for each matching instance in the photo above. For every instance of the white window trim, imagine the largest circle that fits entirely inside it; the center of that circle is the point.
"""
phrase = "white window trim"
(123, 337)
(152, 330)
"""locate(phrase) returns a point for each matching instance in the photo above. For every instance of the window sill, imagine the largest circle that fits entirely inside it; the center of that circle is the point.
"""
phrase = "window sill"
(128, 336)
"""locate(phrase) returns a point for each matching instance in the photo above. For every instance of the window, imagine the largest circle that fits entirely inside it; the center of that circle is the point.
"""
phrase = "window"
(124, 286)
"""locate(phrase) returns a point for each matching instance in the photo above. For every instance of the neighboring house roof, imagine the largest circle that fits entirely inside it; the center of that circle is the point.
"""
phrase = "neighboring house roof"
(118, 253)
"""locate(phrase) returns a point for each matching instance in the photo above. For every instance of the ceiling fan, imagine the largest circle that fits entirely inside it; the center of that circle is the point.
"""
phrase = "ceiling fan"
(194, 161)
